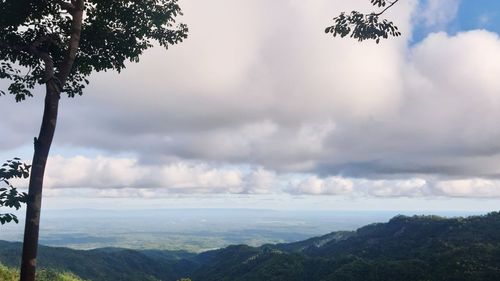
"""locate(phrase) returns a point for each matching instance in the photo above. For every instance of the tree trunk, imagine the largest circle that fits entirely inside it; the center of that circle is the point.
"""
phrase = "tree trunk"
(42, 148)
(54, 84)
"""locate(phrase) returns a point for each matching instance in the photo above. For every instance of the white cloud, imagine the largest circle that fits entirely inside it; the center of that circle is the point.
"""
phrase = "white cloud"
(101, 172)
(438, 13)
(316, 186)
(258, 84)
(112, 174)
(415, 187)
(480, 188)
(107, 177)
(186, 177)
(260, 181)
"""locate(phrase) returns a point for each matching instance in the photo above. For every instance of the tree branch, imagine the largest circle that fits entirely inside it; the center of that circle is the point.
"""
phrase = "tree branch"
(28, 48)
(386, 8)
(48, 63)
(32, 49)
(42, 39)
(70, 7)
(74, 41)
(5, 45)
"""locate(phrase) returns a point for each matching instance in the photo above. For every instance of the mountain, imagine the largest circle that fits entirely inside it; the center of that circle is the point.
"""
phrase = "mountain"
(419, 248)
(406, 248)
(106, 264)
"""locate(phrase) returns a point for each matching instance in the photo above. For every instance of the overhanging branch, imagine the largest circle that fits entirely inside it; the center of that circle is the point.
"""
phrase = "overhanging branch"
(386, 8)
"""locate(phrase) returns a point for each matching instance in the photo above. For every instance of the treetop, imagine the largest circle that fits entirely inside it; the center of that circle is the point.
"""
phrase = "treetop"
(33, 33)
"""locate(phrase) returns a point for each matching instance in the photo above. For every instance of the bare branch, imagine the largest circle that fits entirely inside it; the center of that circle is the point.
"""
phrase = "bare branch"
(386, 8)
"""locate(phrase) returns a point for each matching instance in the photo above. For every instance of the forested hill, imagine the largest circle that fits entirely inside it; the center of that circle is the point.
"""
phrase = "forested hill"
(405, 248)
(106, 264)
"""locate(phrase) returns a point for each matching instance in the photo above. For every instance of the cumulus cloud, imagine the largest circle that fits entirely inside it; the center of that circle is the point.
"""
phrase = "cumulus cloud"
(121, 173)
(480, 188)
(109, 177)
(259, 85)
(316, 186)
(415, 187)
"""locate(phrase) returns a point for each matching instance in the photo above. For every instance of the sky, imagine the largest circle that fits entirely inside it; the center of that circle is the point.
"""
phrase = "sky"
(259, 108)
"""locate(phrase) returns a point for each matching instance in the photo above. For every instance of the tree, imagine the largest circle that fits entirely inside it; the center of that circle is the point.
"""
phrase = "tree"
(365, 26)
(58, 44)
(9, 196)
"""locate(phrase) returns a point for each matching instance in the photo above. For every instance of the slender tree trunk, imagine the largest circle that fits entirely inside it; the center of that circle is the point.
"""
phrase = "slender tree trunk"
(42, 148)
(54, 83)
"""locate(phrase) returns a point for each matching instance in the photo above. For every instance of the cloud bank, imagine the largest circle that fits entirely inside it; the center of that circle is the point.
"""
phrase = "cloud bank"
(259, 100)
(127, 177)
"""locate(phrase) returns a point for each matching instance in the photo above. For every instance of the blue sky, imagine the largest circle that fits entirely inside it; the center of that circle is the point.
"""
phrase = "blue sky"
(477, 14)
(276, 114)
(470, 15)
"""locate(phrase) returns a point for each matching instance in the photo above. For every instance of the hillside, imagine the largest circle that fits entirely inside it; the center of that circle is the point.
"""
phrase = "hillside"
(106, 263)
(405, 248)
(7, 274)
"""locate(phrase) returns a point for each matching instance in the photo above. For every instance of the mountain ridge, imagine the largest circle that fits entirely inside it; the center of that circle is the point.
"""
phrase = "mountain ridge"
(419, 248)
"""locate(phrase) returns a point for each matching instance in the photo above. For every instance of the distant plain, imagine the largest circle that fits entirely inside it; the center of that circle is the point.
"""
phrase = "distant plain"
(194, 230)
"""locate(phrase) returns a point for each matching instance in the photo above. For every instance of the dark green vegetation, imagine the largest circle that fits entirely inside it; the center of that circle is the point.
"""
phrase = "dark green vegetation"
(41, 41)
(59, 44)
(420, 248)
(7, 274)
(106, 264)
(365, 26)
(9, 196)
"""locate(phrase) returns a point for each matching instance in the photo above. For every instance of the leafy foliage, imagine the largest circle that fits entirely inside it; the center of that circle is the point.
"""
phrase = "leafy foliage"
(7, 274)
(113, 33)
(365, 26)
(9, 196)
(59, 43)
(379, 3)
